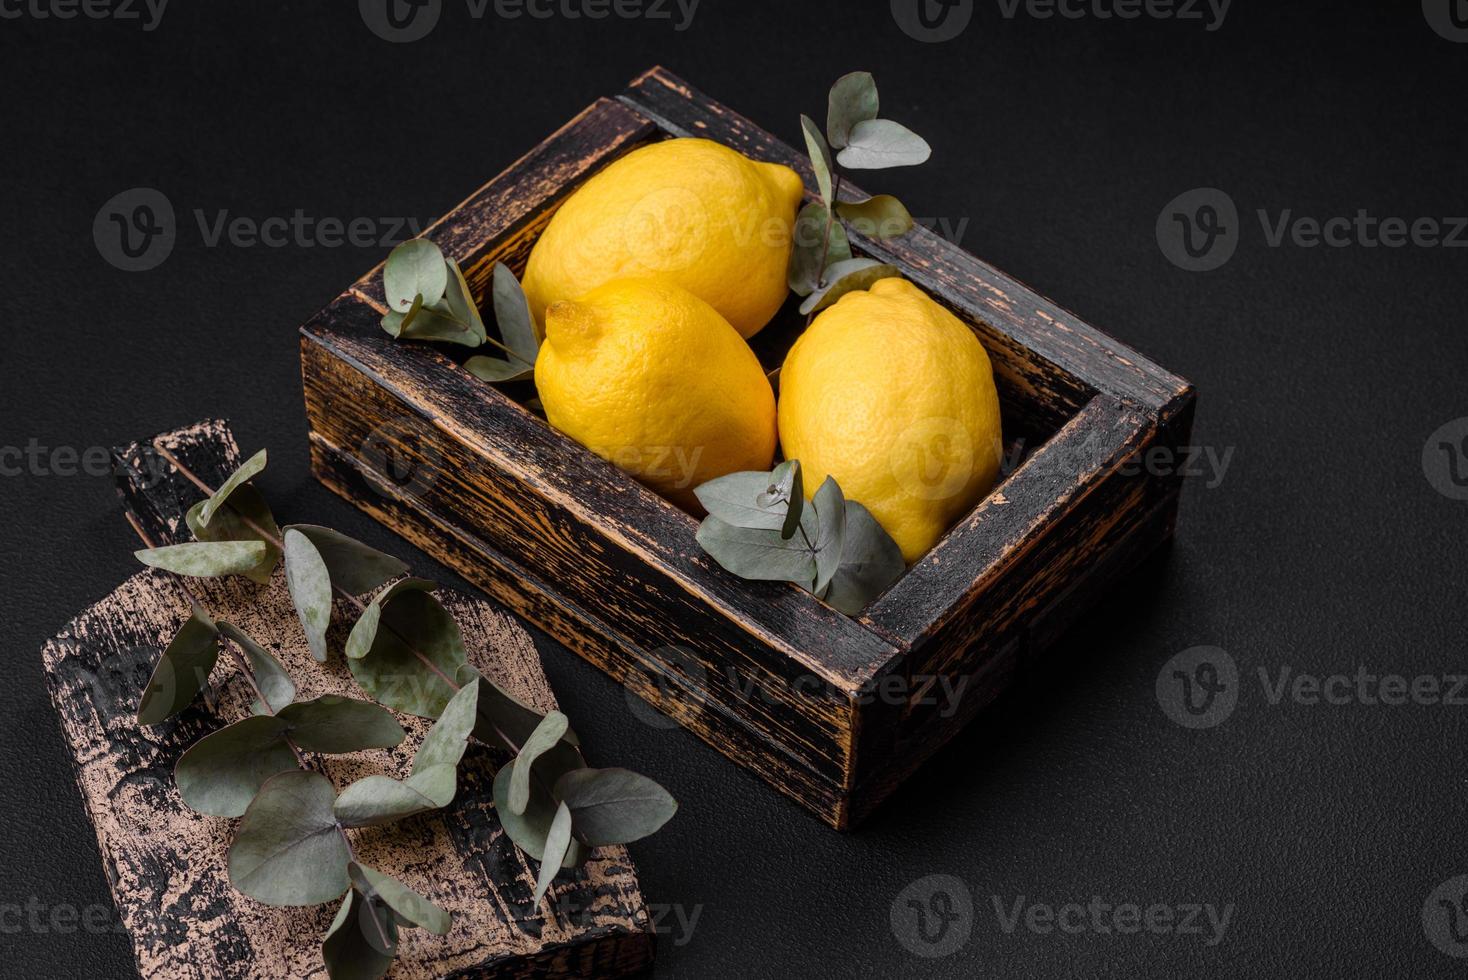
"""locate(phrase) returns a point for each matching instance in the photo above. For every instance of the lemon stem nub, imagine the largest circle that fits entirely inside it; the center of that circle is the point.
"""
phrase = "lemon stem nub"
(569, 322)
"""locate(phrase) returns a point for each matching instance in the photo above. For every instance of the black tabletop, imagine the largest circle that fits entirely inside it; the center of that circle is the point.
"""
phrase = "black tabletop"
(1312, 825)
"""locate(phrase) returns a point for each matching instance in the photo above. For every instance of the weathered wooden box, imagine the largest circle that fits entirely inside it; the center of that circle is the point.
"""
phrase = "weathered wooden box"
(834, 711)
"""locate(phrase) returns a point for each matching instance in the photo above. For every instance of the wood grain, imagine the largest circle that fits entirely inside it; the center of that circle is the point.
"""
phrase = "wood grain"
(613, 571)
(166, 863)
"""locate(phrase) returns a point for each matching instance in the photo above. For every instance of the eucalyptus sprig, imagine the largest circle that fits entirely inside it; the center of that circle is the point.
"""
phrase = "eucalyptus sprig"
(407, 653)
(822, 268)
(429, 299)
(760, 527)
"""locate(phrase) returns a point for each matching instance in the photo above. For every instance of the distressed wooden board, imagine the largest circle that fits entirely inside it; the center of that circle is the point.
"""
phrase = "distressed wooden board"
(166, 864)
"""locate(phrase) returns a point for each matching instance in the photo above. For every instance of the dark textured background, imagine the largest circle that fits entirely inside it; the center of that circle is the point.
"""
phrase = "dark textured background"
(1058, 141)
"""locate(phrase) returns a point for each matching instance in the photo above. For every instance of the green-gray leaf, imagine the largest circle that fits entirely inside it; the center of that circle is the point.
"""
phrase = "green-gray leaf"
(349, 951)
(446, 741)
(205, 559)
(271, 677)
(756, 553)
(820, 155)
(810, 254)
(614, 806)
(787, 487)
(870, 562)
(309, 582)
(245, 517)
(845, 277)
(545, 736)
(735, 499)
(182, 670)
(882, 216)
(512, 313)
(221, 772)
(334, 725)
(853, 99)
(830, 507)
(557, 843)
(376, 800)
(496, 369)
(529, 829)
(288, 850)
(384, 659)
(879, 143)
(404, 901)
(414, 268)
(460, 303)
(499, 709)
(248, 470)
(354, 567)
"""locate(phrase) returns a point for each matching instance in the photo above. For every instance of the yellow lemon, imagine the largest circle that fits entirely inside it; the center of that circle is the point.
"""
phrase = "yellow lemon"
(691, 210)
(893, 396)
(651, 378)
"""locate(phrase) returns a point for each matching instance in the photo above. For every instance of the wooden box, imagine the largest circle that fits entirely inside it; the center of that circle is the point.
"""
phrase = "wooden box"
(834, 711)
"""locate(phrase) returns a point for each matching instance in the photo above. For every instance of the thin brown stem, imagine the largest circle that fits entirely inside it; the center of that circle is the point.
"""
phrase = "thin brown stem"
(830, 224)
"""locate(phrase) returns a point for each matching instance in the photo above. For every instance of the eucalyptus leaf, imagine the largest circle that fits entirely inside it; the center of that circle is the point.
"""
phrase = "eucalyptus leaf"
(414, 269)
(460, 305)
(811, 254)
(529, 829)
(221, 772)
(820, 156)
(882, 216)
(545, 736)
(870, 562)
(362, 941)
(853, 99)
(354, 567)
(512, 314)
(756, 553)
(499, 709)
(246, 517)
(845, 277)
(288, 849)
(336, 725)
(309, 582)
(496, 369)
(405, 319)
(404, 901)
(438, 322)
(878, 143)
(182, 670)
(248, 470)
(614, 806)
(830, 507)
(446, 741)
(787, 487)
(735, 498)
(270, 676)
(377, 799)
(557, 843)
(205, 559)
(408, 622)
